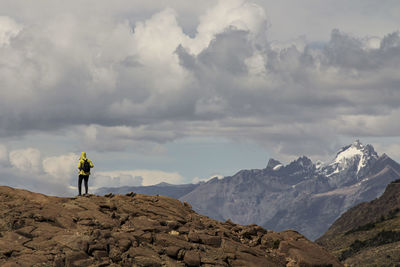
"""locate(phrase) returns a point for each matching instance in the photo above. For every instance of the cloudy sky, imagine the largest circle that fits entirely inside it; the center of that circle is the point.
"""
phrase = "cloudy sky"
(179, 91)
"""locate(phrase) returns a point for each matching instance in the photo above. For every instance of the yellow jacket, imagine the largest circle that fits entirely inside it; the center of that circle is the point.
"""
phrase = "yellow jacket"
(80, 164)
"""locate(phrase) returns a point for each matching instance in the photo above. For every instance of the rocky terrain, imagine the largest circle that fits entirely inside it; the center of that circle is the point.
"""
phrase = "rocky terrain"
(165, 189)
(301, 195)
(368, 234)
(137, 230)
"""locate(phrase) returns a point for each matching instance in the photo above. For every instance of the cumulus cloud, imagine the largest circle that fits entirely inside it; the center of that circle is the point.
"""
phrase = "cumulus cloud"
(24, 168)
(57, 175)
(135, 178)
(26, 160)
(116, 180)
(8, 30)
(62, 168)
(124, 82)
(197, 180)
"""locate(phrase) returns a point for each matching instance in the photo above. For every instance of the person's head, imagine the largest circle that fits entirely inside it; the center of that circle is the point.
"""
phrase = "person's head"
(83, 155)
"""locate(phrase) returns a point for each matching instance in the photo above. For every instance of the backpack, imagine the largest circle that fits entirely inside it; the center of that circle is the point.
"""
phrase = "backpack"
(86, 166)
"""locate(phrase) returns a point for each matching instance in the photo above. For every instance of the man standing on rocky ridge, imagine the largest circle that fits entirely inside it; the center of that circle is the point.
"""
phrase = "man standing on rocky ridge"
(84, 166)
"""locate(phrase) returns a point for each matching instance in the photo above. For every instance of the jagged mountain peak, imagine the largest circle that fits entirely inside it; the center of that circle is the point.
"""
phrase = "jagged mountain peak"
(273, 164)
(304, 161)
(355, 158)
(301, 162)
(348, 166)
(355, 149)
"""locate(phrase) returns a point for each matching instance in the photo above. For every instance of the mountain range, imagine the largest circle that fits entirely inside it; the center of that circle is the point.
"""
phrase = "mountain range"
(302, 195)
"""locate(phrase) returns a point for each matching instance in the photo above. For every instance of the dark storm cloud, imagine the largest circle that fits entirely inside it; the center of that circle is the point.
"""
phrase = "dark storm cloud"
(306, 97)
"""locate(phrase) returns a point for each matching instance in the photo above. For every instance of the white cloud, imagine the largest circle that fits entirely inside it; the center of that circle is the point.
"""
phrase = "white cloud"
(198, 179)
(26, 160)
(62, 168)
(240, 14)
(52, 175)
(57, 175)
(8, 30)
(115, 179)
(135, 178)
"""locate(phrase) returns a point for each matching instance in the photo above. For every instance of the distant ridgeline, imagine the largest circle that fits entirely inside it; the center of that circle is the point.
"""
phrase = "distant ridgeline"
(302, 195)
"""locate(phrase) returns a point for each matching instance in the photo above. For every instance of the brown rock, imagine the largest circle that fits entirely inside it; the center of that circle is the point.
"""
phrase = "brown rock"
(96, 247)
(230, 246)
(184, 229)
(74, 242)
(85, 262)
(173, 225)
(214, 241)
(145, 224)
(146, 237)
(142, 251)
(173, 263)
(181, 254)
(115, 254)
(166, 240)
(11, 264)
(187, 205)
(192, 258)
(124, 244)
(306, 253)
(72, 257)
(143, 237)
(172, 251)
(59, 261)
(99, 254)
(26, 231)
(244, 259)
(11, 243)
(271, 240)
(144, 261)
(194, 237)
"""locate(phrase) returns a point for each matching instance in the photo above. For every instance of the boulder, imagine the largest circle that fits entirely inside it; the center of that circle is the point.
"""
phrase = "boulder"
(192, 258)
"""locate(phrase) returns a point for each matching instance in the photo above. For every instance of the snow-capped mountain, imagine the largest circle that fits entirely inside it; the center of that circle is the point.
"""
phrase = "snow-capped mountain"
(301, 195)
(350, 164)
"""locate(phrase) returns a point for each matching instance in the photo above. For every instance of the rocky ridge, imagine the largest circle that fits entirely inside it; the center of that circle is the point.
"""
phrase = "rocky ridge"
(137, 230)
(369, 233)
(165, 189)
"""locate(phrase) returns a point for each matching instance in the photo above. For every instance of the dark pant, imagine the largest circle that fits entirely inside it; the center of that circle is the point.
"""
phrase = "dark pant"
(86, 179)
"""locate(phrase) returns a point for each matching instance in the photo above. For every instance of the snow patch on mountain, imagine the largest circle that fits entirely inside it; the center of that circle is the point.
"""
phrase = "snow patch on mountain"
(277, 167)
(354, 158)
(356, 151)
